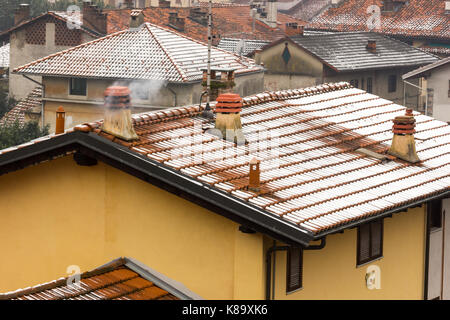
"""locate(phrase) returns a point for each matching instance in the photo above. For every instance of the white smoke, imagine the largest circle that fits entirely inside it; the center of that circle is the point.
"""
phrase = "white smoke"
(144, 91)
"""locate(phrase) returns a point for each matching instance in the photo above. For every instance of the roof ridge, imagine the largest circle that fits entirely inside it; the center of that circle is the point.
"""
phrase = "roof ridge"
(202, 43)
(169, 55)
(16, 70)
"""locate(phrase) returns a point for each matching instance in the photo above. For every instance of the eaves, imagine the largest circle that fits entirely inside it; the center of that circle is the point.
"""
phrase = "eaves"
(122, 158)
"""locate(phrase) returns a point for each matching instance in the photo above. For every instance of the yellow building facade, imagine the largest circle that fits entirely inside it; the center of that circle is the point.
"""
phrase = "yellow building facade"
(58, 214)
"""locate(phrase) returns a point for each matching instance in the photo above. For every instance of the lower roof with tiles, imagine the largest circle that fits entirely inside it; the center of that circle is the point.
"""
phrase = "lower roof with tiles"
(314, 178)
(120, 279)
(17, 113)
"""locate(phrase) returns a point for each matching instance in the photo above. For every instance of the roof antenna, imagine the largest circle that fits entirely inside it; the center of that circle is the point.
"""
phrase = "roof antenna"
(207, 113)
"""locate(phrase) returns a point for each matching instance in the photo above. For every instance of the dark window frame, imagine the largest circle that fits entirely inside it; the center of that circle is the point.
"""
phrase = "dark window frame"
(372, 257)
(289, 271)
(434, 216)
(78, 89)
(369, 85)
(354, 83)
(392, 83)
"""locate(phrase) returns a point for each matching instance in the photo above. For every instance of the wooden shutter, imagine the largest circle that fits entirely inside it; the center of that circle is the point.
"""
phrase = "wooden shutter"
(363, 243)
(376, 237)
(294, 272)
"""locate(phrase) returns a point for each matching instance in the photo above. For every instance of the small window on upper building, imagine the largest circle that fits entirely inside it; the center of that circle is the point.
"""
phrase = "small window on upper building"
(354, 83)
(449, 88)
(77, 86)
(294, 272)
(369, 85)
(370, 242)
(392, 83)
(434, 214)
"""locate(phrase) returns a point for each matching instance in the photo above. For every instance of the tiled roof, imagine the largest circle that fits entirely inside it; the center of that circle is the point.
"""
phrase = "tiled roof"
(417, 18)
(346, 51)
(313, 173)
(121, 279)
(150, 52)
(306, 9)
(229, 21)
(17, 113)
(58, 15)
(4, 56)
(241, 46)
(428, 67)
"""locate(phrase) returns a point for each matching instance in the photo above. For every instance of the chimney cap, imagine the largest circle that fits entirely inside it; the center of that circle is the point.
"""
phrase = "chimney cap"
(117, 97)
(255, 161)
(60, 109)
(229, 103)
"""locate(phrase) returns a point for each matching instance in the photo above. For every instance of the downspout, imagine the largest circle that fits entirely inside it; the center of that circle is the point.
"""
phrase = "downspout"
(174, 95)
(421, 89)
(269, 270)
(43, 95)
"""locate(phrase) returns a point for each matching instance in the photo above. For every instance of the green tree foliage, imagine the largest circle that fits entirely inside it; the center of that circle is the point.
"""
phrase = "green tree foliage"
(37, 7)
(6, 102)
(15, 133)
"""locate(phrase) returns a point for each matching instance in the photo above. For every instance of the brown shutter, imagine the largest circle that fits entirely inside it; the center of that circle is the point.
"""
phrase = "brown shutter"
(377, 238)
(294, 272)
(363, 243)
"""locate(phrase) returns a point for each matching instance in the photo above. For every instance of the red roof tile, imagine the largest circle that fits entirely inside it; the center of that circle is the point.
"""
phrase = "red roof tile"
(416, 18)
(228, 21)
(313, 173)
(121, 279)
(168, 56)
(34, 99)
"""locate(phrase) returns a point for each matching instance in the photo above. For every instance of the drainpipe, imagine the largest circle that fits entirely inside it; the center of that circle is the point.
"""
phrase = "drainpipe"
(269, 269)
(421, 89)
(43, 95)
(174, 94)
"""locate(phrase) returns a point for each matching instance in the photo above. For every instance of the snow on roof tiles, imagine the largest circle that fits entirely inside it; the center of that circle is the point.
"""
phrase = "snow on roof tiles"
(149, 52)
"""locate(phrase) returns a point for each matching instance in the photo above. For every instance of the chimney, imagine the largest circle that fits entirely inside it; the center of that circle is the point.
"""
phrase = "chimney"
(228, 117)
(447, 7)
(371, 46)
(403, 145)
(164, 4)
(22, 13)
(94, 18)
(199, 15)
(118, 120)
(176, 22)
(60, 120)
(136, 18)
(222, 81)
(254, 175)
(272, 13)
(293, 29)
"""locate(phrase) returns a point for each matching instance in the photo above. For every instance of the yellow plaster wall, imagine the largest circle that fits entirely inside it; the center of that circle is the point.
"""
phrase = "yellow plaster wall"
(331, 273)
(300, 62)
(58, 214)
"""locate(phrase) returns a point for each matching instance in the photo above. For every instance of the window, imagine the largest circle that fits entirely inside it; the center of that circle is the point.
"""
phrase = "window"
(354, 83)
(449, 88)
(294, 272)
(370, 242)
(77, 86)
(392, 83)
(369, 85)
(362, 83)
(434, 214)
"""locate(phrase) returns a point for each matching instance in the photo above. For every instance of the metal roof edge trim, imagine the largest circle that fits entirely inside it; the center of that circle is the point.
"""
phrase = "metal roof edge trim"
(381, 215)
(160, 280)
(234, 209)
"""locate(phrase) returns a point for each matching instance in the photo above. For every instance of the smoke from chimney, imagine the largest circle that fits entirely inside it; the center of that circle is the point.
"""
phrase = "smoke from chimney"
(118, 120)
